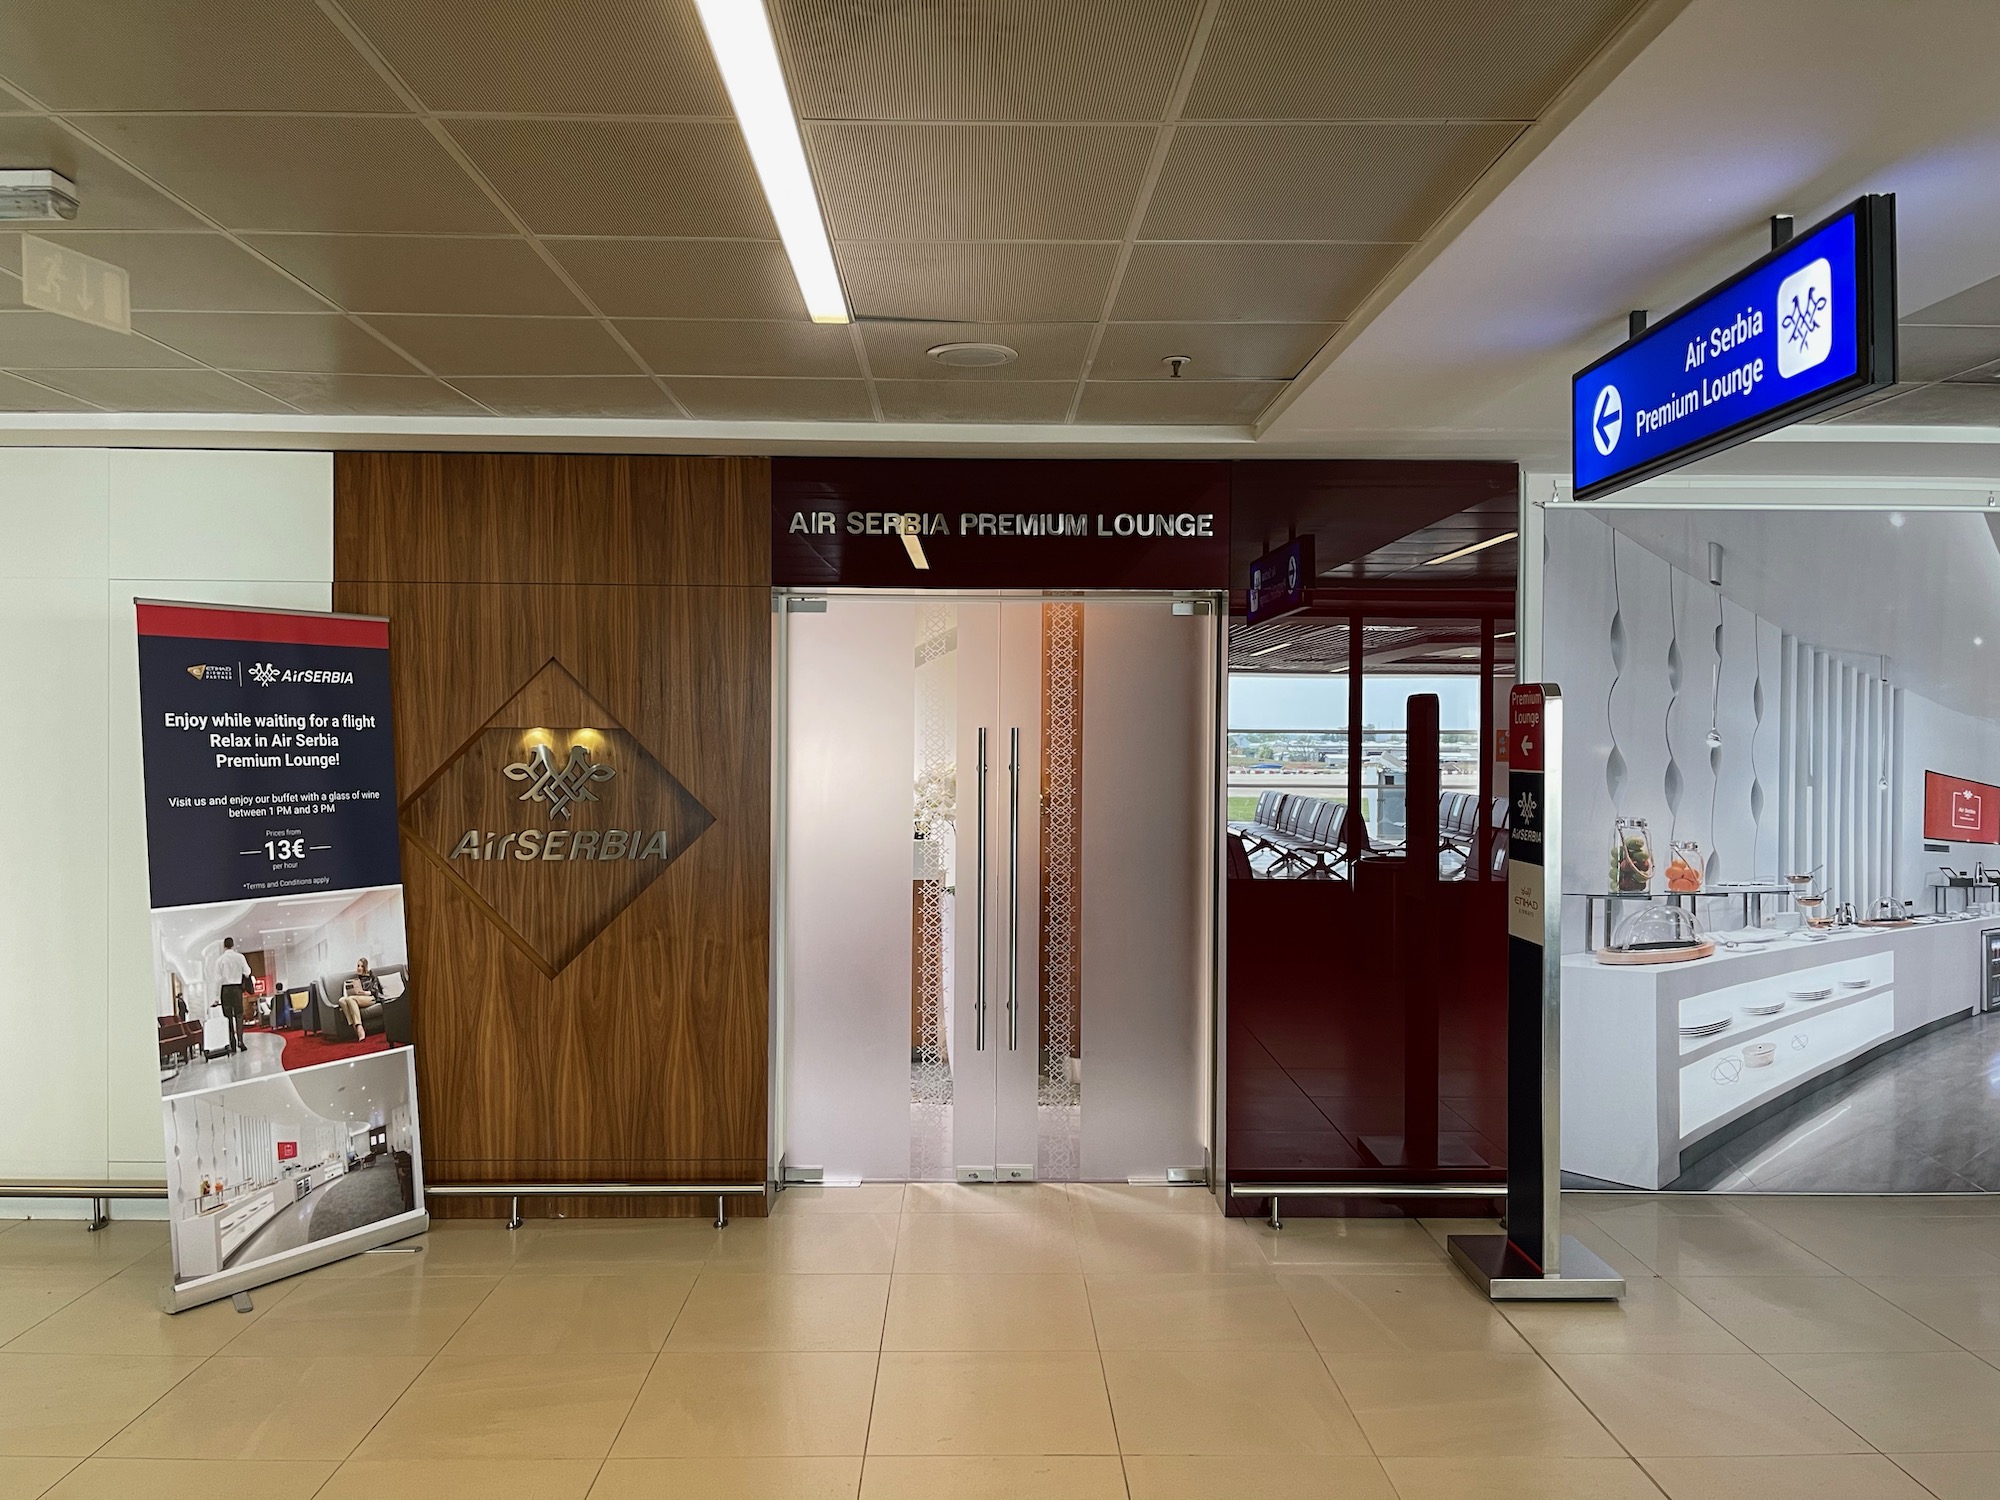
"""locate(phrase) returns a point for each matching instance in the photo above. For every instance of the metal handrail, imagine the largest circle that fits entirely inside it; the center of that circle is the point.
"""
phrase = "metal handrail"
(1276, 1190)
(516, 1191)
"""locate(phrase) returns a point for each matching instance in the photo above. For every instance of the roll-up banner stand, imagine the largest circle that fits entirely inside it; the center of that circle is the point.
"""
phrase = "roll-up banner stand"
(1534, 1260)
(282, 984)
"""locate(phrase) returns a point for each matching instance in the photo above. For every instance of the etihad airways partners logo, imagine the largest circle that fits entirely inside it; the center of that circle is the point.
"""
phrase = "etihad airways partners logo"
(204, 672)
(559, 786)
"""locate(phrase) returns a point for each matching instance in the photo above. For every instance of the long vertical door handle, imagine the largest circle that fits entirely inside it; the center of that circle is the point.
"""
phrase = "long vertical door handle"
(979, 922)
(1014, 890)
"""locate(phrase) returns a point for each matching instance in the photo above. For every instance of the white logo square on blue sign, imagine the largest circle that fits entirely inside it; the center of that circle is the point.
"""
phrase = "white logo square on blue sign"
(1805, 318)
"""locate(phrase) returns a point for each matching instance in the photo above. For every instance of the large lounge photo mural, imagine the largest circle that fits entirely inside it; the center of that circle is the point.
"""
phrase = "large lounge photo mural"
(1781, 917)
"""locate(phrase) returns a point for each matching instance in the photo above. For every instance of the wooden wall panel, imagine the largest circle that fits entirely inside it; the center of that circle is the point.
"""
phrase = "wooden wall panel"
(646, 578)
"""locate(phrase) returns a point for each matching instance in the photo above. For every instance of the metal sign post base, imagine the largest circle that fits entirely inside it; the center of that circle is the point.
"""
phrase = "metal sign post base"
(1506, 1275)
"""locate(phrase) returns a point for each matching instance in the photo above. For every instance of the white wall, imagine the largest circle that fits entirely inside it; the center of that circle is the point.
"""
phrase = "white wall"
(86, 531)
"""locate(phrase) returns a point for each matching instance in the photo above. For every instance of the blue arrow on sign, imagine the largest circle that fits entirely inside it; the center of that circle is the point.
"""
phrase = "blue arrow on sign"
(1607, 420)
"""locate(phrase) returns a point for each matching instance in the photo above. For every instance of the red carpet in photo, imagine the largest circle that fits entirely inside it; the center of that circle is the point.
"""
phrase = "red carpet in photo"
(303, 1051)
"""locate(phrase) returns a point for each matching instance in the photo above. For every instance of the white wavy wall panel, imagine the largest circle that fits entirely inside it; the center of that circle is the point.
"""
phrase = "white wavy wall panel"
(1693, 775)
(1576, 624)
(1642, 774)
(1839, 771)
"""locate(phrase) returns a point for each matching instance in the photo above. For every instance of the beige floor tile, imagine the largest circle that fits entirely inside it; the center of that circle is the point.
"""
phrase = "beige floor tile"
(383, 1315)
(269, 1408)
(1229, 1401)
(1954, 1476)
(994, 1477)
(1695, 1205)
(53, 1405)
(741, 1477)
(511, 1406)
(1046, 1199)
(1651, 1318)
(1519, 1479)
(625, 1244)
(715, 1405)
(1357, 1246)
(66, 1243)
(1467, 1406)
(1136, 1243)
(1965, 1309)
(1021, 1244)
(193, 1479)
(461, 1479)
(1586, 1232)
(1186, 1311)
(783, 1313)
(628, 1312)
(1020, 1401)
(1424, 1314)
(861, 1198)
(1163, 1476)
(1846, 1476)
(1702, 1405)
(946, 1312)
(1906, 1403)
(121, 1315)
(30, 1294)
(1809, 1314)
(1674, 1244)
(1883, 1243)
(453, 1247)
(1144, 1198)
(29, 1478)
(834, 1244)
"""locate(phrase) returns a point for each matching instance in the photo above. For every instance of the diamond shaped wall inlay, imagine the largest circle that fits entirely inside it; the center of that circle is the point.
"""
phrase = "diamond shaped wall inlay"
(554, 817)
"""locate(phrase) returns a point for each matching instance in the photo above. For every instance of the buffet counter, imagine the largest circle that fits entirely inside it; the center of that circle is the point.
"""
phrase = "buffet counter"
(1642, 1100)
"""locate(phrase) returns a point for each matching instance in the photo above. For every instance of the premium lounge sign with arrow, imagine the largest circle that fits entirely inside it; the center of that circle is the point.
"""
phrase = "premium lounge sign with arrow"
(1809, 326)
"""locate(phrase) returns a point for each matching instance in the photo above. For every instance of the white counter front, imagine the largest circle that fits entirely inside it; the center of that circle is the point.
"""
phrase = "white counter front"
(1637, 1094)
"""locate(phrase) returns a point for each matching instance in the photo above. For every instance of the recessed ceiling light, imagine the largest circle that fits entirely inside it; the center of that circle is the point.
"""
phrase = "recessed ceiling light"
(1267, 650)
(1491, 541)
(973, 356)
(36, 193)
(739, 34)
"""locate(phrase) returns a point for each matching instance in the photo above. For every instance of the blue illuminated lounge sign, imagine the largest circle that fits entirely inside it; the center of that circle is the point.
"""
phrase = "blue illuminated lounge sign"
(1809, 326)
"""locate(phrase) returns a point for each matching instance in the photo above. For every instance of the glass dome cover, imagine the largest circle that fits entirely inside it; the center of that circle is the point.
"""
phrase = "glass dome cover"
(1656, 925)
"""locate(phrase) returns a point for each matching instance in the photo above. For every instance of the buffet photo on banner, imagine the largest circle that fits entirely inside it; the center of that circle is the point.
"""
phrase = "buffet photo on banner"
(1781, 848)
(283, 993)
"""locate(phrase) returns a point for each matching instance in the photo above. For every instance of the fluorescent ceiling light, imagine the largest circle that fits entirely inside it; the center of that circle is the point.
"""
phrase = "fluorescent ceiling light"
(36, 193)
(1267, 650)
(1491, 541)
(739, 34)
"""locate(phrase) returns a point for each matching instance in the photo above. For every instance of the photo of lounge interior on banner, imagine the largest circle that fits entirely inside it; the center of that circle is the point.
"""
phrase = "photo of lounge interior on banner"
(1781, 804)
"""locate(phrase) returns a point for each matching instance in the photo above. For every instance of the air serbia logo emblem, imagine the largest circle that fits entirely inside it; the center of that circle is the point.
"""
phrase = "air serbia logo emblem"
(559, 786)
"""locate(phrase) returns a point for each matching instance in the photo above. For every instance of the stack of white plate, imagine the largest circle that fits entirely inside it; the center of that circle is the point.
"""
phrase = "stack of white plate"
(1767, 1008)
(1706, 1027)
(1816, 992)
(1856, 984)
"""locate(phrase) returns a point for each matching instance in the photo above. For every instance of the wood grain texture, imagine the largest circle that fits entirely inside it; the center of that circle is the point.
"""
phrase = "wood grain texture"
(646, 1056)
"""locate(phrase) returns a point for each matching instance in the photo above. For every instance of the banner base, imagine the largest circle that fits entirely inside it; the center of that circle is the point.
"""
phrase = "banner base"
(308, 1257)
(1506, 1275)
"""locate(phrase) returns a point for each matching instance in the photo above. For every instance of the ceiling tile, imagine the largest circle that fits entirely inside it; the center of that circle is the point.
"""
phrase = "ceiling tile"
(18, 394)
(694, 346)
(636, 177)
(162, 390)
(1955, 405)
(32, 340)
(1979, 304)
(1048, 351)
(1204, 402)
(684, 278)
(980, 182)
(1377, 181)
(1931, 353)
(608, 57)
(1416, 59)
(509, 346)
(185, 55)
(304, 172)
(395, 273)
(296, 342)
(365, 395)
(1217, 351)
(1250, 283)
(571, 396)
(977, 283)
(759, 400)
(108, 196)
(984, 59)
(182, 272)
(981, 401)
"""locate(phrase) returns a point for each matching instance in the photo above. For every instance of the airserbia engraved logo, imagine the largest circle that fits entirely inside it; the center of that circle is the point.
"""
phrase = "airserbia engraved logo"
(560, 786)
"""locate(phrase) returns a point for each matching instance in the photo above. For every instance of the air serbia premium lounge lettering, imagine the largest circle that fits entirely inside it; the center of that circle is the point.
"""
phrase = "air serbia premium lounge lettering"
(1741, 379)
(1003, 523)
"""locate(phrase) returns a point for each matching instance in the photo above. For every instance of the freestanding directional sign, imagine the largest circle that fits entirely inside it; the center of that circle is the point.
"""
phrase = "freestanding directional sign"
(1809, 326)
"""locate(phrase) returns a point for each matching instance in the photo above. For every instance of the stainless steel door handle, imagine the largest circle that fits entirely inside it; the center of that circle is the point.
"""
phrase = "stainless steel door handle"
(1014, 890)
(979, 920)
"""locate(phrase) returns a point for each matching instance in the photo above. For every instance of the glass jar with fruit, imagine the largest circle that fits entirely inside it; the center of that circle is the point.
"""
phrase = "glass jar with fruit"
(1631, 856)
(1684, 869)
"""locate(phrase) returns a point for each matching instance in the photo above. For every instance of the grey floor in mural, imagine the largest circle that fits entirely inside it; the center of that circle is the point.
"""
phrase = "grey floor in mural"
(1923, 1119)
(364, 1196)
(264, 1055)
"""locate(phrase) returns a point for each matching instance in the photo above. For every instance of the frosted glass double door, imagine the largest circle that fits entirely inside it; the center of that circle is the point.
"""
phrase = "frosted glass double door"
(998, 871)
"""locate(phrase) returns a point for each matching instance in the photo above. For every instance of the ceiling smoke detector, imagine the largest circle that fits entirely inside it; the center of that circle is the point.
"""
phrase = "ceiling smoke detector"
(36, 193)
(973, 356)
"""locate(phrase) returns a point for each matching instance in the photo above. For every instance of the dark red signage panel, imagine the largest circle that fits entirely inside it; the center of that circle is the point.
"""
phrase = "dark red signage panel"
(1525, 707)
(288, 1150)
(1957, 811)
(999, 523)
